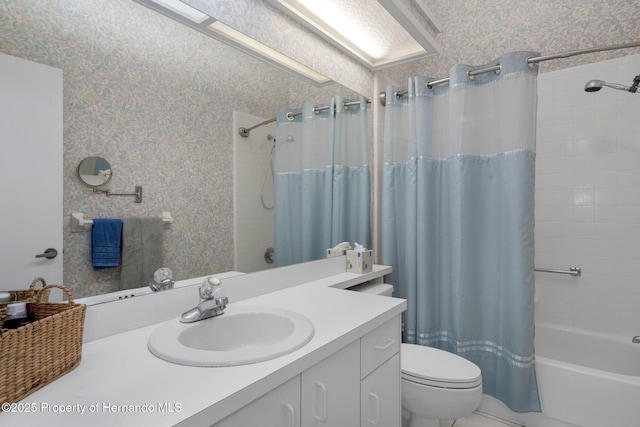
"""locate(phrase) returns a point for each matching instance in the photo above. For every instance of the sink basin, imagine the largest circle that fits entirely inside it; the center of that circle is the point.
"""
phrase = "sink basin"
(240, 336)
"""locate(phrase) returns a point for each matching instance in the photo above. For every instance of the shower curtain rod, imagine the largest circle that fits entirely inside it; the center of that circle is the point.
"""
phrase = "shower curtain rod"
(245, 132)
(532, 61)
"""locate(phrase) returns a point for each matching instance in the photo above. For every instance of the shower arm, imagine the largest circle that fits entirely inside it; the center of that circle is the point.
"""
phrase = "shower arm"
(245, 132)
(620, 87)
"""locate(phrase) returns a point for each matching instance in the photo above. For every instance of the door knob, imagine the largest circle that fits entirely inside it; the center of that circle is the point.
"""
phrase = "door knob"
(48, 254)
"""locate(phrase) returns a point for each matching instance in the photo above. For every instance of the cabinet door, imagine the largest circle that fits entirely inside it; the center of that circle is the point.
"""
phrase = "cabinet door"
(380, 396)
(330, 390)
(278, 408)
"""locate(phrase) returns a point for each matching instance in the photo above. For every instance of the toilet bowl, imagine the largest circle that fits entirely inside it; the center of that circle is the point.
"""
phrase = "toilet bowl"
(436, 385)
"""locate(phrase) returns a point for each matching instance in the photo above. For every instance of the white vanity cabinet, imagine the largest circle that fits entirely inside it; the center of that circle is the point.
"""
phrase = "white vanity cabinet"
(278, 408)
(331, 390)
(380, 401)
(346, 376)
(358, 385)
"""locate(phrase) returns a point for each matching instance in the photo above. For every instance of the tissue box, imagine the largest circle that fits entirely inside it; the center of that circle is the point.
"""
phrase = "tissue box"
(335, 252)
(359, 261)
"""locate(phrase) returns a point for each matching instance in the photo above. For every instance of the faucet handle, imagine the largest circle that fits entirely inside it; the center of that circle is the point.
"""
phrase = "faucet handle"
(210, 288)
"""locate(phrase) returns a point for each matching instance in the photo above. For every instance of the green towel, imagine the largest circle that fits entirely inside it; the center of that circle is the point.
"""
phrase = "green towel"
(142, 252)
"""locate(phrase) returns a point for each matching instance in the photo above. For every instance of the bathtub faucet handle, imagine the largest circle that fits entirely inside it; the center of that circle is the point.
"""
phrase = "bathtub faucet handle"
(636, 339)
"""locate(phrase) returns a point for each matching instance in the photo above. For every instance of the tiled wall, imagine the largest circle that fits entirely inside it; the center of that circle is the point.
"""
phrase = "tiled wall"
(588, 198)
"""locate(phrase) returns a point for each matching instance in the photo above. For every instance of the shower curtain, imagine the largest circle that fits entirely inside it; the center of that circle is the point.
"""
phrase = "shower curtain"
(322, 181)
(457, 226)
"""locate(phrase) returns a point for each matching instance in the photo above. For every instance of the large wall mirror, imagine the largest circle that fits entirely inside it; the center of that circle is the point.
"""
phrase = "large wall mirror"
(157, 99)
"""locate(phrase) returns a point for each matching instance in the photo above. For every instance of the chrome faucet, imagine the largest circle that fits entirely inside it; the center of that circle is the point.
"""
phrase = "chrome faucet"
(636, 339)
(162, 280)
(210, 305)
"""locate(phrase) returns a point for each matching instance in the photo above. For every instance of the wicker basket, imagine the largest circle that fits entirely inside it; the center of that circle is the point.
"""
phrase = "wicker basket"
(36, 354)
(28, 295)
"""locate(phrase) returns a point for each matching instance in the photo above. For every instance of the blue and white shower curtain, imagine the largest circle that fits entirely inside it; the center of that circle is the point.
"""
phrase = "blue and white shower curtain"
(322, 182)
(457, 219)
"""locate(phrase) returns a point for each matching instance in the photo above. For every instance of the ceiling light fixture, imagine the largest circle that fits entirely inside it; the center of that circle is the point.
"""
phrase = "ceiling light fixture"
(197, 20)
(378, 34)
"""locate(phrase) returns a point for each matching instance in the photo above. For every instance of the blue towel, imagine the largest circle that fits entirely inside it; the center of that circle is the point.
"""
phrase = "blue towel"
(105, 243)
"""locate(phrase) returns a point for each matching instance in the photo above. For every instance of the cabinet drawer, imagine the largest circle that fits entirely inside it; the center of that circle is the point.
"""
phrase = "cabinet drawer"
(379, 345)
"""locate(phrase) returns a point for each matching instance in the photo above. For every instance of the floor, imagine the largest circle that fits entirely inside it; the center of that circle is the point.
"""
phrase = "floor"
(478, 419)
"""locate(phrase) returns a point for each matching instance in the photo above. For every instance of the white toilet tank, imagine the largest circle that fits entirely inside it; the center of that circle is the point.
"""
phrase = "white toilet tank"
(383, 289)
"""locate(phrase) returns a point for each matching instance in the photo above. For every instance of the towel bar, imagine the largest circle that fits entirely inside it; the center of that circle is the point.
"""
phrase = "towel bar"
(573, 271)
(78, 221)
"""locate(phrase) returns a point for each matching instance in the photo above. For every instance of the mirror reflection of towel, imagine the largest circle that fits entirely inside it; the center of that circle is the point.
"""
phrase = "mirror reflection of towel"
(105, 243)
(142, 252)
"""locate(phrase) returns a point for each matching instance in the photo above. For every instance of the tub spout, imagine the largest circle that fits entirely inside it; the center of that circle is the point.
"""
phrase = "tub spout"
(636, 339)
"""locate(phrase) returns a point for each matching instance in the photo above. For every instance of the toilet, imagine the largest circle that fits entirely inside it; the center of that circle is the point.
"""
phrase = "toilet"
(436, 385)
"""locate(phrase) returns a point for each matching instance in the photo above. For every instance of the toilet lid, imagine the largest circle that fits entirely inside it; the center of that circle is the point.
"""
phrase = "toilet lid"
(438, 368)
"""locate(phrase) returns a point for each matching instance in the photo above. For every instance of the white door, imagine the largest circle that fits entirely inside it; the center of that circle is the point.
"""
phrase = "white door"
(30, 172)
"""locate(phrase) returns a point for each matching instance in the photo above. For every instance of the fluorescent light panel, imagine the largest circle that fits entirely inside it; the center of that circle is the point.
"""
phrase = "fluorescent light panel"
(376, 33)
(202, 22)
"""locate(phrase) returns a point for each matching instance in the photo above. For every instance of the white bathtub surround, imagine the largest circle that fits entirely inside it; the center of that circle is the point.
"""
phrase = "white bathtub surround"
(585, 379)
(118, 370)
(253, 221)
(587, 215)
(588, 198)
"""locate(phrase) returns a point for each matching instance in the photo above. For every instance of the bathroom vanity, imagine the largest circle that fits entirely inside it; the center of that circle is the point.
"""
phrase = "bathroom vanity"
(347, 374)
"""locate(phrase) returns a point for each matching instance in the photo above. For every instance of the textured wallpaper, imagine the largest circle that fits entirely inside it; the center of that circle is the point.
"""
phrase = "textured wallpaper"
(476, 31)
(156, 99)
(264, 23)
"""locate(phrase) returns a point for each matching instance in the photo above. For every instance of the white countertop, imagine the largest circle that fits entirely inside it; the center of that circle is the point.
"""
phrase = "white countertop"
(120, 383)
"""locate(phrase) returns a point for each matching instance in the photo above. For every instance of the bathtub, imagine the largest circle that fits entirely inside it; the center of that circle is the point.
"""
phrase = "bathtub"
(585, 379)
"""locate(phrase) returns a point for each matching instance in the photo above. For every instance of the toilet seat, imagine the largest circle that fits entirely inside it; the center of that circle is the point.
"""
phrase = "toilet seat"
(438, 368)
